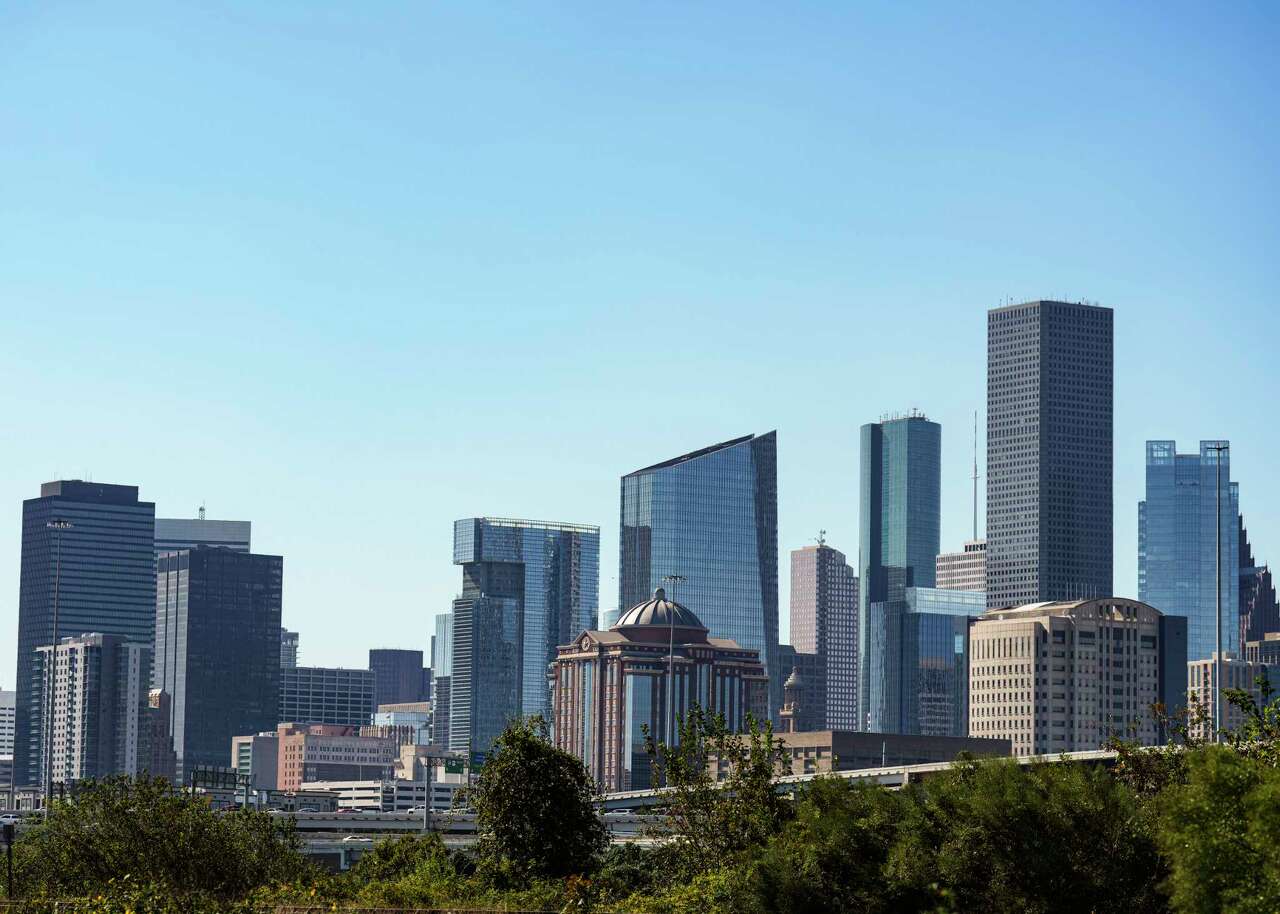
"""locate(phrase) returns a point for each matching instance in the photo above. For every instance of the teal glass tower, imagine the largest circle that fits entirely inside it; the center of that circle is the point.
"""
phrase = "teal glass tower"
(1176, 534)
(899, 522)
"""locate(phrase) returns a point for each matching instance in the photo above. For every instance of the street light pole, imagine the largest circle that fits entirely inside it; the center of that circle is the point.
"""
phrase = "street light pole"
(673, 580)
(57, 525)
(1217, 597)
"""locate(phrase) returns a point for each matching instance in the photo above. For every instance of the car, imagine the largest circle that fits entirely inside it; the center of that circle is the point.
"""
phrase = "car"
(10, 819)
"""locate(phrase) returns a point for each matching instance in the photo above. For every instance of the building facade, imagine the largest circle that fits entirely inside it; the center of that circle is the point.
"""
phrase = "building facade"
(8, 705)
(108, 529)
(824, 751)
(326, 695)
(288, 649)
(1064, 677)
(327, 752)
(397, 676)
(1259, 611)
(1049, 453)
(411, 720)
(173, 534)
(710, 517)
(964, 570)
(899, 524)
(804, 690)
(257, 757)
(918, 662)
(527, 587)
(612, 687)
(96, 706)
(824, 622)
(1237, 673)
(217, 637)
(441, 678)
(1177, 532)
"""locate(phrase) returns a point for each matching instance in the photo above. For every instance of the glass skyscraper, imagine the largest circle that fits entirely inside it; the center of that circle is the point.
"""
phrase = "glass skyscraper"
(711, 517)
(1176, 535)
(899, 523)
(1049, 453)
(107, 584)
(918, 662)
(217, 648)
(527, 587)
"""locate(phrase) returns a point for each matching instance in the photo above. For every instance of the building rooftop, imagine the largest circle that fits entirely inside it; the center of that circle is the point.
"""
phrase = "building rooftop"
(659, 611)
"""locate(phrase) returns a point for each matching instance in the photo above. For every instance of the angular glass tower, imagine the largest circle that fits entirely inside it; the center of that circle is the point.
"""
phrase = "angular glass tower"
(527, 587)
(899, 522)
(1049, 453)
(217, 648)
(107, 584)
(1176, 535)
(711, 517)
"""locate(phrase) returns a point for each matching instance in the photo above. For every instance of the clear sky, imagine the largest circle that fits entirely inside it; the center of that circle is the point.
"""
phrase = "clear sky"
(352, 271)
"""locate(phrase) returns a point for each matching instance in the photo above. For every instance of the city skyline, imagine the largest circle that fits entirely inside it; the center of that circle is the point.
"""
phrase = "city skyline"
(336, 278)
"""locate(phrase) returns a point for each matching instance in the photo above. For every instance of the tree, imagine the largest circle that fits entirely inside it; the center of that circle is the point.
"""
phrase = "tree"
(535, 806)
(142, 831)
(1258, 737)
(711, 822)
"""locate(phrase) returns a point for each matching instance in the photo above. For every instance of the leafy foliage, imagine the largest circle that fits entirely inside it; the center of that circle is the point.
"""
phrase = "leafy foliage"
(535, 807)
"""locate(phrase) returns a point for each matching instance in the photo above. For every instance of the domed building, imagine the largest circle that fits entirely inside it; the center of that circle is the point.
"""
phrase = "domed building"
(608, 686)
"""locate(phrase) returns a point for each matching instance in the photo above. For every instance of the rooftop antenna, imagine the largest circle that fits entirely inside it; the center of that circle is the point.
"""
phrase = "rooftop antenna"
(822, 537)
(200, 513)
(975, 474)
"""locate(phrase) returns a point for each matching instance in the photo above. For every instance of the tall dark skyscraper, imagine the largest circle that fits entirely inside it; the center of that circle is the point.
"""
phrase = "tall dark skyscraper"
(397, 676)
(106, 585)
(217, 648)
(177, 533)
(527, 587)
(900, 517)
(710, 516)
(1049, 452)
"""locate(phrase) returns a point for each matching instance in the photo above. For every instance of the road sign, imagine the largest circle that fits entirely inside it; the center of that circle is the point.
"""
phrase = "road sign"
(455, 766)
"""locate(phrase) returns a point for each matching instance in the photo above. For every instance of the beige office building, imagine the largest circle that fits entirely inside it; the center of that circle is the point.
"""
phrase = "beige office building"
(965, 570)
(1236, 674)
(1063, 677)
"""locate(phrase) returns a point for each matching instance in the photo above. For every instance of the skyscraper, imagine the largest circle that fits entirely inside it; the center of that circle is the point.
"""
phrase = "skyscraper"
(1049, 453)
(104, 568)
(824, 622)
(326, 695)
(217, 655)
(177, 533)
(1177, 568)
(899, 521)
(7, 710)
(527, 587)
(99, 713)
(288, 649)
(441, 678)
(1259, 610)
(965, 570)
(397, 676)
(710, 517)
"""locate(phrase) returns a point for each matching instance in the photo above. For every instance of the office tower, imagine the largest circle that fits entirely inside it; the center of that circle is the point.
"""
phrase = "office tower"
(1236, 674)
(1177, 532)
(176, 534)
(109, 529)
(288, 649)
(217, 637)
(8, 701)
(1049, 453)
(329, 752)
(164, 761)
(710, 517)
(397, 676)
(1063, 677)
(1265, 650)
(899, 522)
(804, 691)
(1259, 611)
(441, 678)
(611, 688)
(257, 757)
(966, 570)
(824, 622)
(96, 707)
(1172, 678)
(527, 587)
(917, 666)
(326, 695)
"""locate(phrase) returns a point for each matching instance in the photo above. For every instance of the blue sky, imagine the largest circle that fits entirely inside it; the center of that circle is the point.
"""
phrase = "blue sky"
(353, 271)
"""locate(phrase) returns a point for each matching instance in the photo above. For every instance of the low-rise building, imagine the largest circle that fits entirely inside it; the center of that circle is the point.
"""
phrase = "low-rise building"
(843, 750)
(1065, 676)
(1236, 674)
(257, 756)
(327, 752)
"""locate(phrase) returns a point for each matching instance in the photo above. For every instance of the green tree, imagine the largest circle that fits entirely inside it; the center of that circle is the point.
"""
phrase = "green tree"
(535, 806)
(712, 821)
(1258, 737)
(1220, 833)
(140, 832)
